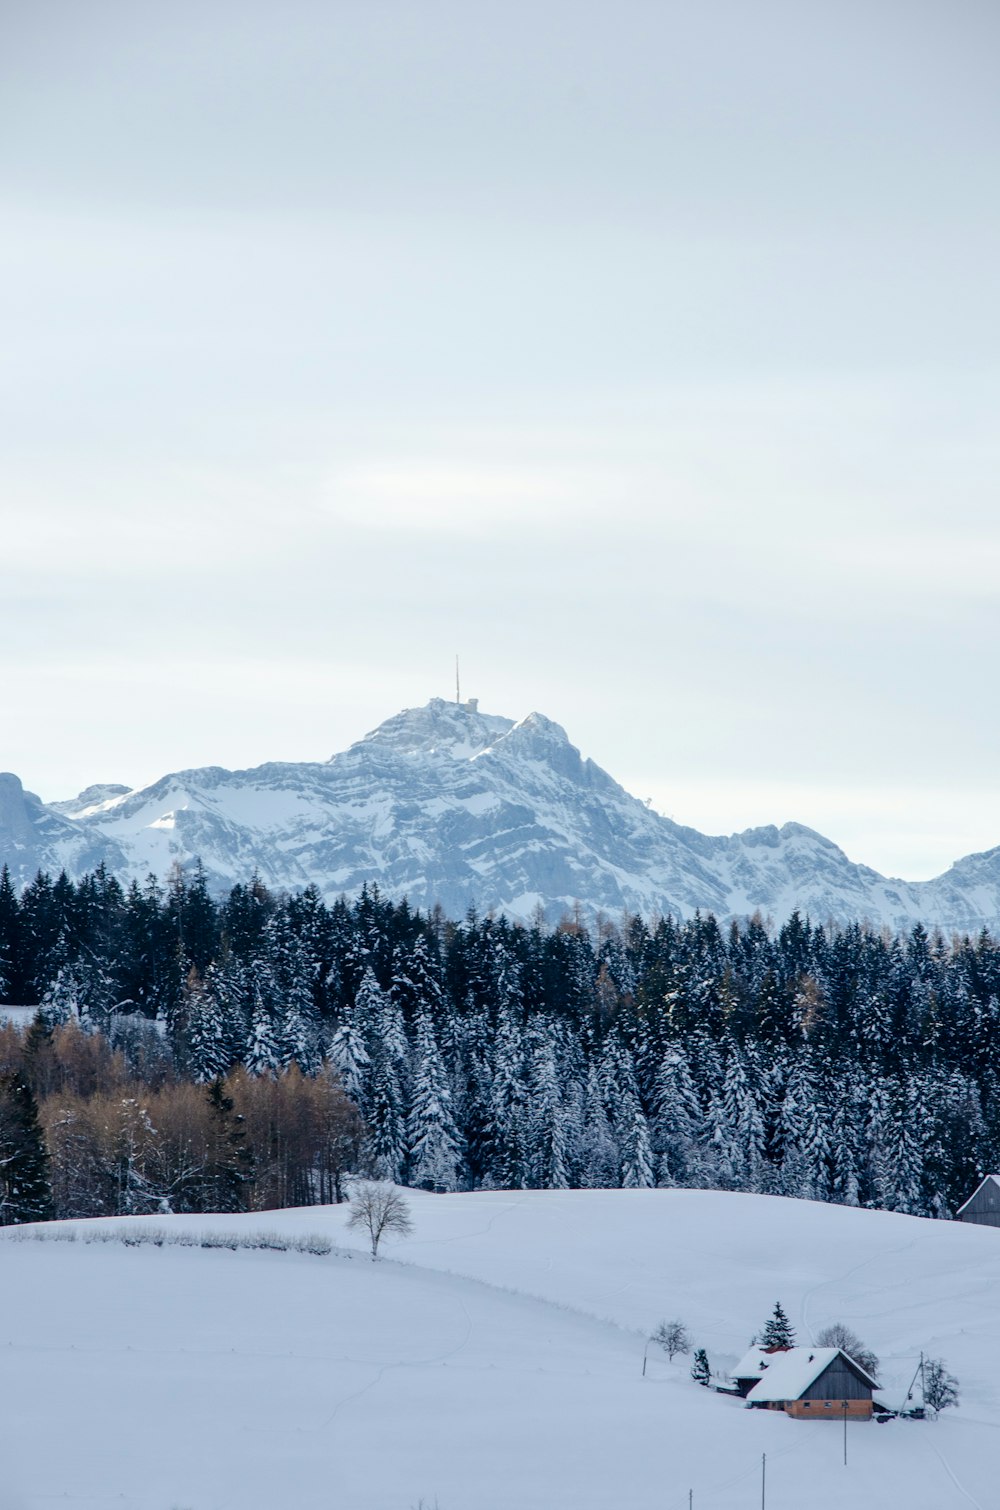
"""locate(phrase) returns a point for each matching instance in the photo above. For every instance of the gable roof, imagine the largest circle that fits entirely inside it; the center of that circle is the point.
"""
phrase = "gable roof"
(753, 1363)
(790, 1374)
(985, 1181)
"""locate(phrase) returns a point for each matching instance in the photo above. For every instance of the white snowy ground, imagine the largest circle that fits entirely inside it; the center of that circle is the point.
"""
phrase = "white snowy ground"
(492, 1361)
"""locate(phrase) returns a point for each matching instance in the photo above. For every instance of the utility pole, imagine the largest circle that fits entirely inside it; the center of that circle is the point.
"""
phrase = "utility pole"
(909, 1393)
(690, 1498)
(845, 1433)
(763, 1481)
(458, 694)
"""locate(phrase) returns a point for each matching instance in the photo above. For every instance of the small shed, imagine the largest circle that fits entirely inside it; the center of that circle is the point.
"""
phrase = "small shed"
(817, 1383)
(983, 1206)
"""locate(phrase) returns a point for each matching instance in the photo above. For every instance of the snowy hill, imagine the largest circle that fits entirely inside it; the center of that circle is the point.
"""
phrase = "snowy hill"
(493, 1358)
(446, 804)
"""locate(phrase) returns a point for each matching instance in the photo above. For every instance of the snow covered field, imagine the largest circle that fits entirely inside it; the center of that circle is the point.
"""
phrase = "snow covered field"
(492, 1360)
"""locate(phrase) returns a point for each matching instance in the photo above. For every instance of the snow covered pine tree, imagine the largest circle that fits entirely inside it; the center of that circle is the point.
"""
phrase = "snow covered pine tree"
(779, 1331)
(25, 1192)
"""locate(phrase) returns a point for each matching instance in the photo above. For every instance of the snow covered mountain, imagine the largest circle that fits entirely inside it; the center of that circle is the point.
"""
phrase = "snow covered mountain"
(447, 804)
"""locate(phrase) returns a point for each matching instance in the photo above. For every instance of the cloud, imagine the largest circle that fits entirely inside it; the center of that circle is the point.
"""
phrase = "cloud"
(428, 497)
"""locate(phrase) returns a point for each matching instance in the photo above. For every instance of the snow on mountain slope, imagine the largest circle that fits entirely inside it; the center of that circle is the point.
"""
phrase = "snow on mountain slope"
(91, 800)
(493, 1358)
(34, 837)
(446, 804)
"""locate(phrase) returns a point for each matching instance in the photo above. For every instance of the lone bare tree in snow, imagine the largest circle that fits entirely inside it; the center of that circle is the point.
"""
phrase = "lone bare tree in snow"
(940, 1387)
(379, 1207)
(673, 1337)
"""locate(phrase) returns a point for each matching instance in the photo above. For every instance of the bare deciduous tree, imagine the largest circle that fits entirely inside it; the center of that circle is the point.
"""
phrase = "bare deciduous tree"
(839, 1335)
(673, 1337)
(379, 1207)
(940, 1387)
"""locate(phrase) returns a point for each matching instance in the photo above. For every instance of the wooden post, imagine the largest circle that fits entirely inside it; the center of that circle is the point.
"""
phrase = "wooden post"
(763, 1481)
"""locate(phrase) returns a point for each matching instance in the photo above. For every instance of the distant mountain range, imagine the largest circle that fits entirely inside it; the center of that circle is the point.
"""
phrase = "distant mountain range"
(447, 804)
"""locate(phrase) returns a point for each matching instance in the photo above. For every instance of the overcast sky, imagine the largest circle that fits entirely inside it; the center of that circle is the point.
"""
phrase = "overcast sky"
(644, 354)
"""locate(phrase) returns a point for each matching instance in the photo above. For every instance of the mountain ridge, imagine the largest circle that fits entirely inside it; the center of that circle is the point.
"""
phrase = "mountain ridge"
(448, 805)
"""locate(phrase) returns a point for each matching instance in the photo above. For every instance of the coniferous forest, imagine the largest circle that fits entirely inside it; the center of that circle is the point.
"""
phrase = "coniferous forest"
(198, 1053)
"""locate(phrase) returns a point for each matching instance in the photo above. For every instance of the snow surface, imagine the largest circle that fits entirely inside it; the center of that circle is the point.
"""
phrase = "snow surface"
(21, 1017)
(492, 1360)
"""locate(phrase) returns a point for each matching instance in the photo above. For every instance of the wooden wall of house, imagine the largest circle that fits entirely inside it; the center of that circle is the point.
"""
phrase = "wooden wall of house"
(838, 1381)
(984, 1208)
(822, 1410)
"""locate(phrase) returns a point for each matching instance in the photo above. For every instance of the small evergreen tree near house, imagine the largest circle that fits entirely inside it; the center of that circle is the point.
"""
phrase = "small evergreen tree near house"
(779, 1331)
(700, 1371)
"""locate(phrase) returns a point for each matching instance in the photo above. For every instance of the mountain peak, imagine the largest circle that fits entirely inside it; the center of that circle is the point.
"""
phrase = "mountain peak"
(90, 799)
(542, 728)
(439, 727)
(544, 742)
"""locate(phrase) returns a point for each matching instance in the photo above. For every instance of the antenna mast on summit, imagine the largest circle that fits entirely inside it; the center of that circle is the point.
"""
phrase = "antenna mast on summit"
(458, 693)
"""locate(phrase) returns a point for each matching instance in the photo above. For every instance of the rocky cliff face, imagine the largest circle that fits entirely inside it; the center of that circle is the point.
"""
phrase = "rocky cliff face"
(446, 804)
(34, 837)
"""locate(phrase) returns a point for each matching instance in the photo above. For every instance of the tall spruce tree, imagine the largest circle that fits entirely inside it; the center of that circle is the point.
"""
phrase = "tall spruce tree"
(386, 1118)
(25, 1188)
(778, 1330)
(228, 1171)
(263, 1054)
(599, 1161)
(508, 1107)
(11, 988)
(547, 1152)
(433, 1136)
(676, 1126)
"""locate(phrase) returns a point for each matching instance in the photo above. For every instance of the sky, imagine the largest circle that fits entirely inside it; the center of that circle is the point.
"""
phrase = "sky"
(647, 356)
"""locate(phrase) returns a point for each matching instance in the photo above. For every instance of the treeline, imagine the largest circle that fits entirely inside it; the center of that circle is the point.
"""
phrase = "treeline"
(841, 1064)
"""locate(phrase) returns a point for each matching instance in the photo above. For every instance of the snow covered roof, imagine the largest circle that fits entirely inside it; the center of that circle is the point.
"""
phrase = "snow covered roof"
(753, 1363)
(790, 1374)
(984, 1181)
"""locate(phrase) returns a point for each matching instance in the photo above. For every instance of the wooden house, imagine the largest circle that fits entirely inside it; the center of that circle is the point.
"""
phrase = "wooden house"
(983, 1206)
(814, 1383)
